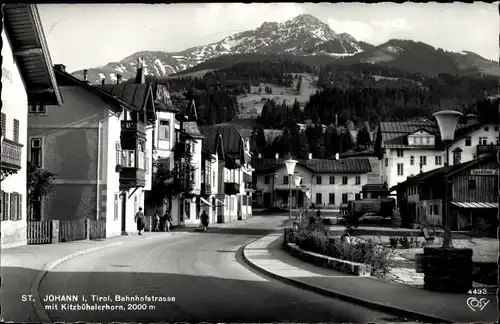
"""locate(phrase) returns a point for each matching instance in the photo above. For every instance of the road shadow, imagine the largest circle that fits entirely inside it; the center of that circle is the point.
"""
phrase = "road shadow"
(227, 231)
(197, 299)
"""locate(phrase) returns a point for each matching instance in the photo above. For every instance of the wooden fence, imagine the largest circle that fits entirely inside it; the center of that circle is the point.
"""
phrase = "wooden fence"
(54, 231)
(97, 229)
(72, 230)
(40, 232)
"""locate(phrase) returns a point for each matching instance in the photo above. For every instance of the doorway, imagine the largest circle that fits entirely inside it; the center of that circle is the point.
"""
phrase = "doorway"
(124, 210)
(267, 199)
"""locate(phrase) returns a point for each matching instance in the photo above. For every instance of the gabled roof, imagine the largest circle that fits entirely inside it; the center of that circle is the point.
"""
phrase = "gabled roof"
(352, 165)
(191, 128)
(25, 33)
(441, 172)
(421, 129)
(232, 140)
(136, 95)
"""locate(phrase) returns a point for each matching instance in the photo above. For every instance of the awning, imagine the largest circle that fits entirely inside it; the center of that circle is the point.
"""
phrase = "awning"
(475, 204)
(206, 202)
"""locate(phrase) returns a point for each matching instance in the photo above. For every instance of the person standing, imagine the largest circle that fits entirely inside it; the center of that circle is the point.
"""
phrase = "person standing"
(140, 219)
(156, 222)
(167, 221)
(204, 220)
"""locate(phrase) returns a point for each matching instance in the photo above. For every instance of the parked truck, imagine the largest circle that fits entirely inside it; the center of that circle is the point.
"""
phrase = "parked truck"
(379, 206)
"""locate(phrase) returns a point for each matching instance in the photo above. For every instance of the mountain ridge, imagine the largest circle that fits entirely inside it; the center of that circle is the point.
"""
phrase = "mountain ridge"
(302, 36)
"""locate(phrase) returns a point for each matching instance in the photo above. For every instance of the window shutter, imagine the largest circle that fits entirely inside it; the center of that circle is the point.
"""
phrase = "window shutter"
(4, 124)
(12, 206)
(5, 206)
(1, 205)
(19, 207)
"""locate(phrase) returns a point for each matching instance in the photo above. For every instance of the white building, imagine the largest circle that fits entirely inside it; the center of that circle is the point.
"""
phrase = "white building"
(408, 148)
(330, 182)
(27, 78)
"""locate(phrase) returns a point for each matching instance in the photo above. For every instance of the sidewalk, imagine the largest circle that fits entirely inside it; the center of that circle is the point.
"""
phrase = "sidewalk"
(22, 268)
(267, 255)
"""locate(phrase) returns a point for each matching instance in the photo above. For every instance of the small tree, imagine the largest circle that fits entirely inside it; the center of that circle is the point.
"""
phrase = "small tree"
(39, 183)
(396, 217)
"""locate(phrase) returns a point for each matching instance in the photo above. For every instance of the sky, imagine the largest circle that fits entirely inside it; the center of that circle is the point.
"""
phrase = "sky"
(90, 35)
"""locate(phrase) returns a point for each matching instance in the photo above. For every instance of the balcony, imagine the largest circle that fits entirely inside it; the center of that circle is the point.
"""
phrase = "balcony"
(486, 149)
(206, 189)
(231, 188)
(133, 126)
(132, 177)
(11, 155)
(250, 186)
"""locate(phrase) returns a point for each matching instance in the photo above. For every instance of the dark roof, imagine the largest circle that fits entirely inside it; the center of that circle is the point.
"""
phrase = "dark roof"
(25, 32)
(441, 172)
(395, 133)
(231, 139)
(191, 128)
(136, 95)
(352, 165)
(210, 140)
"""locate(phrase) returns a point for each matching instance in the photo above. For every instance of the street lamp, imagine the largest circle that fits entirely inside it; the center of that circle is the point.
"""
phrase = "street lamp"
(297, 179)
(308, 195)
(447, 121)
(290, 168)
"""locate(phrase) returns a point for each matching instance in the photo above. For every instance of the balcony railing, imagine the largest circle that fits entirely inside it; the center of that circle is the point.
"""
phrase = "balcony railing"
(133, 126)
(231, 188)
(206, 189)
(131, 177)
(486, 149)
(11, 155)
(250, 186)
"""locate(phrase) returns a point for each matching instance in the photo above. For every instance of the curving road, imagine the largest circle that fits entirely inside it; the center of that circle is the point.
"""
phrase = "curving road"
(205, 274)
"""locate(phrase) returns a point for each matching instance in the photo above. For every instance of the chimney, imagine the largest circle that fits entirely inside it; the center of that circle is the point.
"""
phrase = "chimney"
(103, 81)
(85, 73)
(310, 156)
(277, 156)
(118, 78)
(60, 67)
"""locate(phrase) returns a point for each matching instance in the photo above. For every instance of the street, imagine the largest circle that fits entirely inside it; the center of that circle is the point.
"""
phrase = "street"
(205, 274)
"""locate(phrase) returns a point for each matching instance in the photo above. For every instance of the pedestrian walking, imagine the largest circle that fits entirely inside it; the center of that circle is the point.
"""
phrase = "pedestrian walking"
(140, 219)
(167, 221)
(156, 222)
(204, 220)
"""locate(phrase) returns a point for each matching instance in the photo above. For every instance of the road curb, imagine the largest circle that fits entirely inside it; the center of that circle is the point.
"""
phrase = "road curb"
(43, 316)
(367, 303)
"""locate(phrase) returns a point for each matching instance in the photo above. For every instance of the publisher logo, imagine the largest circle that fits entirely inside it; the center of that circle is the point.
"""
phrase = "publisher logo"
(475, 303)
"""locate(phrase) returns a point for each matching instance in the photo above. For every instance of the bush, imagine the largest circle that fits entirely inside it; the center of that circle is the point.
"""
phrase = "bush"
(328, 222)
(396, 217)
(360, 251)
(393, 241)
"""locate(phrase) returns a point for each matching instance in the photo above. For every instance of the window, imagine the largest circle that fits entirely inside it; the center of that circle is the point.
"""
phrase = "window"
(436, 209)
(400, 169)
(146, 160)
(4, 205)
(430, 209)
(319, 199)
(15, 206)
(472, 184)
(332, 179)
(16, 130)
(118, 150)
(423, 160)
(412, 160)
(439, 160)
(427, 140)
(4, 124)
(213, 178)
(36, 109)
(344, 180)
(483, 140)
(267, 179)
(486, 129)
(331, 199)
(285, 199)
(386, 162)
(399, 152)
(318, 180)
(164, 130)
(116, 203)
(141, 155)
(358, 180)
(345, 198)
(357, 196)
(285, 180)
(36, 152)
(128, 159)
(468, 141)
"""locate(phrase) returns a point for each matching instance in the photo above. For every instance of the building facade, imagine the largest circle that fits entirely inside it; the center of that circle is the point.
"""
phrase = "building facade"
(96, 144)
(409, 148)
(330, 182)
(473, 195)
(27, 79)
